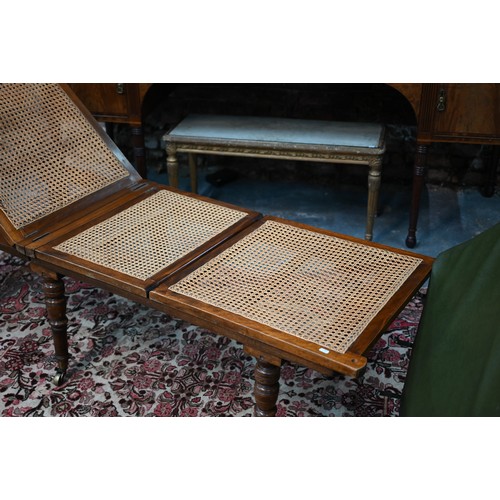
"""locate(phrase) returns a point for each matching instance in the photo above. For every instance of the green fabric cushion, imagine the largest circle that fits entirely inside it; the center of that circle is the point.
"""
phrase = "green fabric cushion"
(455, 364)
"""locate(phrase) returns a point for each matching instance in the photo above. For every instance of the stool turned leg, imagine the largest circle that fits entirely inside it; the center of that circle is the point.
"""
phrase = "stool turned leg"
(192, 172)
(374, 179)
(172, 165)
(266, 389)
(55, 301)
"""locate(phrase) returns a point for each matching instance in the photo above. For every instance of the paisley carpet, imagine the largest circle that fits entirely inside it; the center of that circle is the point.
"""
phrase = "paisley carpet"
(128, 360)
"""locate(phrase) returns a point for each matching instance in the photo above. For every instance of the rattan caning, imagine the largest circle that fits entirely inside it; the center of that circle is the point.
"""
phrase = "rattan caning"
(50, 155)
(315, 286)
(152, 234)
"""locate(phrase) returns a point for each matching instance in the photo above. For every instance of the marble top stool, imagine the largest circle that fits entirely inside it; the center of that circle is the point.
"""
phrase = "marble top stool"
(280, 138)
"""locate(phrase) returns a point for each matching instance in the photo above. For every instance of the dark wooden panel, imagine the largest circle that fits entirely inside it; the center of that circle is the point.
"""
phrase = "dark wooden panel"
(471, 112)
(102, 99)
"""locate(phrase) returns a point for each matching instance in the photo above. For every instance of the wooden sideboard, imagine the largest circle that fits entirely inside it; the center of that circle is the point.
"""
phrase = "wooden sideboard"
(452, 112)
(444, 112)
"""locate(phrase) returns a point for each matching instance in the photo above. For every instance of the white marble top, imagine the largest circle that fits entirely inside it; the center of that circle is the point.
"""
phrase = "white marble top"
(282, 130)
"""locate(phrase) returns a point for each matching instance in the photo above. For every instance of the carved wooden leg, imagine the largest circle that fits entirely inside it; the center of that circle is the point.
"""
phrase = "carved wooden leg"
(172, 165)
(374, 179)
(266, 390)
(55, 301)
(139, 150)
(418, 183)
(193, 172)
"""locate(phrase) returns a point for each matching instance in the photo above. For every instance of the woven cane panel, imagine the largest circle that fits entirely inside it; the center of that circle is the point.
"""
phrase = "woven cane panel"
(317, 287)
(152, 234)
(50, 155)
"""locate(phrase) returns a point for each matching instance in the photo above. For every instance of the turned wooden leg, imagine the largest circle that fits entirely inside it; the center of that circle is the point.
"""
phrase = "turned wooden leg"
(418, 183)
(139, 150)
(172, 165)
(55, 301)
(374, 179)
(266, 390)
(192, 172)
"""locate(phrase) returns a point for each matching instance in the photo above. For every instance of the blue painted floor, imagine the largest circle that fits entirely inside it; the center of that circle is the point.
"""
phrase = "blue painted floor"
(447, 216)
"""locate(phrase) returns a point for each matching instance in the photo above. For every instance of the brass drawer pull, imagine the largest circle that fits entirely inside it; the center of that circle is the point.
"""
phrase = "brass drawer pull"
(441, 106)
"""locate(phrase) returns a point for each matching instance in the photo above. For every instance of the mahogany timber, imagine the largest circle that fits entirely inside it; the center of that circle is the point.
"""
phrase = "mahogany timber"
(275, 342)
(36, 242)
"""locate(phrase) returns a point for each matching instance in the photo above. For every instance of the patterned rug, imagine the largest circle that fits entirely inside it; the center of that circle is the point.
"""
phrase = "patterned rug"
(128, 360)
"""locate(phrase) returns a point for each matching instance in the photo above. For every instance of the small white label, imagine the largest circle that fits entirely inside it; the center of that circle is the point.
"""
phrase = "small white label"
(323, 350)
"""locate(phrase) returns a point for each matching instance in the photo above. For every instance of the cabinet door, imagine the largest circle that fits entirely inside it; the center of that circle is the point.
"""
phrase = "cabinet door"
(105, 100)
(466, 111)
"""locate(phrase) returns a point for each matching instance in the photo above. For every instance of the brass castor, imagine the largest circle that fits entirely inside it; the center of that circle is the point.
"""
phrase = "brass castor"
(59, 378)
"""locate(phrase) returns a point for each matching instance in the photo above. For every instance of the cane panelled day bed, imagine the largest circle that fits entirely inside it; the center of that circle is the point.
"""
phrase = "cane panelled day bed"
(71, 204)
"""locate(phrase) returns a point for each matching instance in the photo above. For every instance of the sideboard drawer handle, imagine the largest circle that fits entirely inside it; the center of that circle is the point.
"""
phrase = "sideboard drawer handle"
(120, 88)
(441, 106)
